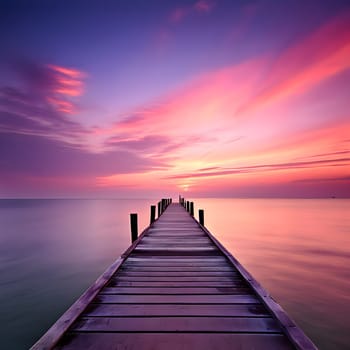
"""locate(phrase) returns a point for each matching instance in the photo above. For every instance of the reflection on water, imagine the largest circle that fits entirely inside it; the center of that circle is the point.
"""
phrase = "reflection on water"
(299, 250)
(52, 250)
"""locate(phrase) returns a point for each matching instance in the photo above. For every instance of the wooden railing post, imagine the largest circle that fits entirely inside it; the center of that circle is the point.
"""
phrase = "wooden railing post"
(192, 208)
(201, 216)
(188, 206)
(153, 214)
(159, 210)
(133, 226)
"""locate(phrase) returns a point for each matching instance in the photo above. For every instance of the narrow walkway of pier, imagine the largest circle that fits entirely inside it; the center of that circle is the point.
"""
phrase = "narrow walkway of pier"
(176, 288)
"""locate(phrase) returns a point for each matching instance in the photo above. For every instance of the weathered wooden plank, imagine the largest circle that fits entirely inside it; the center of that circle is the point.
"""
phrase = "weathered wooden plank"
(179, 259)
(145, 261)
(173, 279)
(172, 243)
(165, 273)
(178, 242)
(183, 240)
(183, 268)
(147, 264)
(174, 341)
(176, 299)
(177, 324)
(208, 310)
(177, 234)
(177, 291)
(176, 253)
(176, 245)
(194, 238)
(191, 229)
(220, 283)
(158, 248)
(186, 236)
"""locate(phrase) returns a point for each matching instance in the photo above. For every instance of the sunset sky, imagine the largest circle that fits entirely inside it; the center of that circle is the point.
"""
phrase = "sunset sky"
(136, 98)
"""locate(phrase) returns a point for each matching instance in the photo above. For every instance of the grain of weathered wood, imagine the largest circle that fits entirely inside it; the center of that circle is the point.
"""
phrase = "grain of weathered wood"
(133, 273)
(177, 324)
(177, 259)
(176, 291)
(173, 245)
(172, 284)
(149, 263)
(183, 268)
(193, 310)
(164, 249)
(176, 299)
(174, 341)
(177, 278)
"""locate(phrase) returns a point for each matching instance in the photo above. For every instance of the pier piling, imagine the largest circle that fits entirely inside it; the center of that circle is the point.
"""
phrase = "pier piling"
(153, 214)
(201, 216)
(133, 226)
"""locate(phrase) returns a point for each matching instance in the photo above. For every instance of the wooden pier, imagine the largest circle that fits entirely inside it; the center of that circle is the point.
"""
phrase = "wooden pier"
(176, 287)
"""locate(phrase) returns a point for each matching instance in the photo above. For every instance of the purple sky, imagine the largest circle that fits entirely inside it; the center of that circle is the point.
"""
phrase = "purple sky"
(148, 98)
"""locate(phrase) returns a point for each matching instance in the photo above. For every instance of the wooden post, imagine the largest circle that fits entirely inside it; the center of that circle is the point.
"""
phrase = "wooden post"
(153, 214)
(192, 209)
(201, 216)
(159, 209)
(188, 206)
(133, 226)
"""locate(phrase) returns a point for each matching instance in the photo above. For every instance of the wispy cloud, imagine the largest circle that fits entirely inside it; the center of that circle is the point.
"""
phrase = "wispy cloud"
(178, 14)
(258, 121)
(40, 142)
(258, 109)
(40, 103)
(204, 6)
(55, 84)
(323, 54)
(260, 168)
(67, 83)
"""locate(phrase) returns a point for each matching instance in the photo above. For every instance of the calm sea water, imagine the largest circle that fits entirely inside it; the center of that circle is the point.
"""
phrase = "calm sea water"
(52, 250)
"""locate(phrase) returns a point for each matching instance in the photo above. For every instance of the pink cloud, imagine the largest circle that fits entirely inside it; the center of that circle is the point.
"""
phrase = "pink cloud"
(323, 54)
(204, 6)
(251, 123)
(41, 102)
(68, 83)
(180, 13)
(260, 122)
(247, 87)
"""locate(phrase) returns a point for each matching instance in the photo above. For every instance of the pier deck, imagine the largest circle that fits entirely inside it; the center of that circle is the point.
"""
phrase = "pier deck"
(176, 287)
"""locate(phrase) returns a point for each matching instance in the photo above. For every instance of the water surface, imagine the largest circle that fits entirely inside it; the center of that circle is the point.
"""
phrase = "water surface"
(299, 249)
(52, 250)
